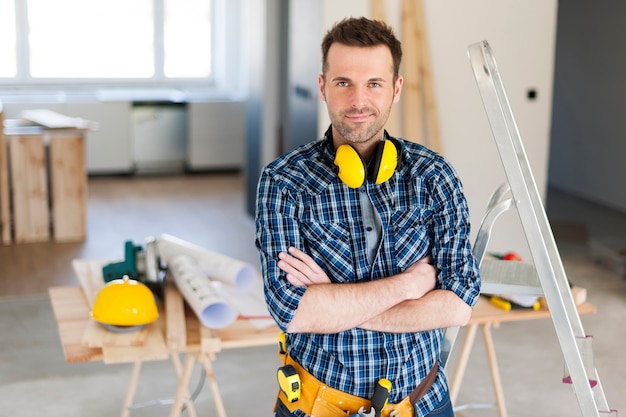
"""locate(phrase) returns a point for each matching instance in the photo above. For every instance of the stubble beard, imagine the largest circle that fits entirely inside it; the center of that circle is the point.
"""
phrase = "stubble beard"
(363, 132)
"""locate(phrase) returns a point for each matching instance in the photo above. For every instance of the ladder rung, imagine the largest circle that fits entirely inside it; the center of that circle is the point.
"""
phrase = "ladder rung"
(500, 277)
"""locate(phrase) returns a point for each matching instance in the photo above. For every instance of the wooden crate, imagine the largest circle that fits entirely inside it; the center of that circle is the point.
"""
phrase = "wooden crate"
(5, 214)
(69, 187)
(29, 188)
(43, 186)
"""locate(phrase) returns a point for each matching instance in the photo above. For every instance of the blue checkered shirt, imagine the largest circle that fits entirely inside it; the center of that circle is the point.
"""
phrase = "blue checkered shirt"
(301, 202)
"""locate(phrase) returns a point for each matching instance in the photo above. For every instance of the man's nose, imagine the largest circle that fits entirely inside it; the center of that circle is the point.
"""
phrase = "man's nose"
(359, 97)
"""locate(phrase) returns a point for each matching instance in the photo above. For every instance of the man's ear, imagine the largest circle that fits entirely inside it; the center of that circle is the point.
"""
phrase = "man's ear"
(397, 89)
(320, 83)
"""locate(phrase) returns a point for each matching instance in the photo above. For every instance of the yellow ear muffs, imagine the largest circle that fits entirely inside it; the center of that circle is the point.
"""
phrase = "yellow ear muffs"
(351, 167)
(352, 170)
(384, 162)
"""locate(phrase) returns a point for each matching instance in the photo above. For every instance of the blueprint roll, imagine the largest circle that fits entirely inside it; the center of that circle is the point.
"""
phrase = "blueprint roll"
(213, 311)
(225, 269)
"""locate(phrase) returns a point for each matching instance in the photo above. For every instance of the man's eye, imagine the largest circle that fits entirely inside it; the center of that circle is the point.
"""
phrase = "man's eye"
(375, 85)
(342, 84)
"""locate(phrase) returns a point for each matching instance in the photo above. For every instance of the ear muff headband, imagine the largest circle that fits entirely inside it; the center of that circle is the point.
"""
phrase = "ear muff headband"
(352, 170)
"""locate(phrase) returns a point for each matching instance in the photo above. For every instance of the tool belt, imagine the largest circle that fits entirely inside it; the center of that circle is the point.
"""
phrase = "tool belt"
(320, 400)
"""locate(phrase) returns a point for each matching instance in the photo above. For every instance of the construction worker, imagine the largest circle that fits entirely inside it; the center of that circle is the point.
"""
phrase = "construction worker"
(364, 245)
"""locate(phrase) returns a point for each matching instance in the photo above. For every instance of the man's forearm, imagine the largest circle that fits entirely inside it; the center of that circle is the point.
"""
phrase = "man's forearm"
(331, 308)
(436, 310)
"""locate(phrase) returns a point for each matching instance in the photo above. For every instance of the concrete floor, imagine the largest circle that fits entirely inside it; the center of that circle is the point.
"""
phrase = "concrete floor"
(208, 210)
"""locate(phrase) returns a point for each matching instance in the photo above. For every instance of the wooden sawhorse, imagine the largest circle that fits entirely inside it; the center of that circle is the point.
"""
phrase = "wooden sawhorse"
(176, 332)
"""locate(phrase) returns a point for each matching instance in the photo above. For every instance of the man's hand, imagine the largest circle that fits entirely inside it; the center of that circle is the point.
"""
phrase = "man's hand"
(421, 278)
(301, 269)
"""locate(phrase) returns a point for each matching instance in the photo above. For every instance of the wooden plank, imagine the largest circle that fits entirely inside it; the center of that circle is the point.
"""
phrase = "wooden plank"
(71, 312)
(485, 312)
(89, 274)
(5, 214)
(433, 134)
(96, 335)
(29, 188)
(394, 123)
(242, 334)
(379, 10)
(153, 349)
(69, 187)
(175, 328)
(413, 117)
(53, 120)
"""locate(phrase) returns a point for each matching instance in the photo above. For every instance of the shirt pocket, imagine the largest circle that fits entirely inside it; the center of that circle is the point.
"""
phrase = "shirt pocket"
(329, 244)
(412, 237)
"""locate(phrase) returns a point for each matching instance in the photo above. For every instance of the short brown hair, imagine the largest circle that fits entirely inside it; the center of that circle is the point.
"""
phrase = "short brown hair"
(363, 32)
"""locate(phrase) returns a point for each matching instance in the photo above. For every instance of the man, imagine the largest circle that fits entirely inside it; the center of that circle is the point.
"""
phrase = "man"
(364, 247)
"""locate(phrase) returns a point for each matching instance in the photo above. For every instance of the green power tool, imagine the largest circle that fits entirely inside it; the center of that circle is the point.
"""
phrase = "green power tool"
(141, 263)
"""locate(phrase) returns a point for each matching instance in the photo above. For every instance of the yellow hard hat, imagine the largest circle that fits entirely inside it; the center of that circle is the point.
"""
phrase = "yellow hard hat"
(124, 302)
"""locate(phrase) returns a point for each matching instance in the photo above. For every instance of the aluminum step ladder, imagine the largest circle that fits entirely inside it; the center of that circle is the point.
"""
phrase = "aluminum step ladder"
(545, 276)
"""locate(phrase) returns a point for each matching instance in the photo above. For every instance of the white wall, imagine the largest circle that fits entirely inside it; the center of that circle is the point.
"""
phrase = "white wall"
(588, 146)
(522, 36)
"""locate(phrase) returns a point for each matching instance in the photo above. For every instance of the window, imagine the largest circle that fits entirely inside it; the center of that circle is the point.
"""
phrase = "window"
(87, 39)
(8, 64)
(110, 42)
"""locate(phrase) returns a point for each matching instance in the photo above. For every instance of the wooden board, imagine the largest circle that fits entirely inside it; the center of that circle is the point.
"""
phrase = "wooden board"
(68, 187)
(429, 103)
(89, 274)
(96, 335)
(71, 312)
(29, 194)
(53, 120)
(413, 87)
(394, 123)
(175, 323)
(5, 214)
(485, 312)
(153, 348)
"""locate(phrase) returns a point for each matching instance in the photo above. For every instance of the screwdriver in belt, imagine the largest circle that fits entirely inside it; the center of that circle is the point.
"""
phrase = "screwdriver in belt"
(379, 399)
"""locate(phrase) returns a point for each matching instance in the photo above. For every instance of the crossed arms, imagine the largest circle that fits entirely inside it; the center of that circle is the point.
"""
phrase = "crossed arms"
(406, 302)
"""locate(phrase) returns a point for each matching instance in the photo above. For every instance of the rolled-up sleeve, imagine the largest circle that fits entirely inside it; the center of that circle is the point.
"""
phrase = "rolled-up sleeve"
(458, 269)
(276, 230)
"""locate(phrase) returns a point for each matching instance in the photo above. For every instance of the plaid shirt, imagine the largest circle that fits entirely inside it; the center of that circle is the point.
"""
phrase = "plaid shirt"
(301, 202)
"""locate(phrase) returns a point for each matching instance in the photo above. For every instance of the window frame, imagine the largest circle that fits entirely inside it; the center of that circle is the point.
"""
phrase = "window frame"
(226, 15)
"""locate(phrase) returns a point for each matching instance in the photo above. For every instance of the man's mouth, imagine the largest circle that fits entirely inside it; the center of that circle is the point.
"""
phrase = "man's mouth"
(358, 117)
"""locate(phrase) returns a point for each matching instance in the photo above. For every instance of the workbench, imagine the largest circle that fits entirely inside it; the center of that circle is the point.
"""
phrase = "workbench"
(487, 316)
(177, 331)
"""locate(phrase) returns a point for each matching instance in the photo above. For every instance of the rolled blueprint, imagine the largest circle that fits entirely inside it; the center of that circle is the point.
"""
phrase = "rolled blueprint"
(218, 267)
(200, 293)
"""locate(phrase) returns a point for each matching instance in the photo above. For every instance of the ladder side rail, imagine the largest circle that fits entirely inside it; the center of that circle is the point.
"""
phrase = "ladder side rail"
(525, 185)
(495, 207)
(512, 155)
(545, 254)
(484, 232)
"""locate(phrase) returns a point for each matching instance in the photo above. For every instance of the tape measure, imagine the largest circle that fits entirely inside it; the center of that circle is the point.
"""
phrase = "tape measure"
(289, 382)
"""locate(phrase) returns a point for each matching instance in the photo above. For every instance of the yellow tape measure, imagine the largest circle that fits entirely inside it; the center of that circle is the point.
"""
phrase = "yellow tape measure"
(289, 382)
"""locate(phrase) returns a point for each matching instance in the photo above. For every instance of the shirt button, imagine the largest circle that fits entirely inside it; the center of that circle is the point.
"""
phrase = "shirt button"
(368, 228)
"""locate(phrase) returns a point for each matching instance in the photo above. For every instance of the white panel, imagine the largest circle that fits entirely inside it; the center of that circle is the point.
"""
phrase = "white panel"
(108, 148)
(522, 36)
(159, 133)
(216, 135)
